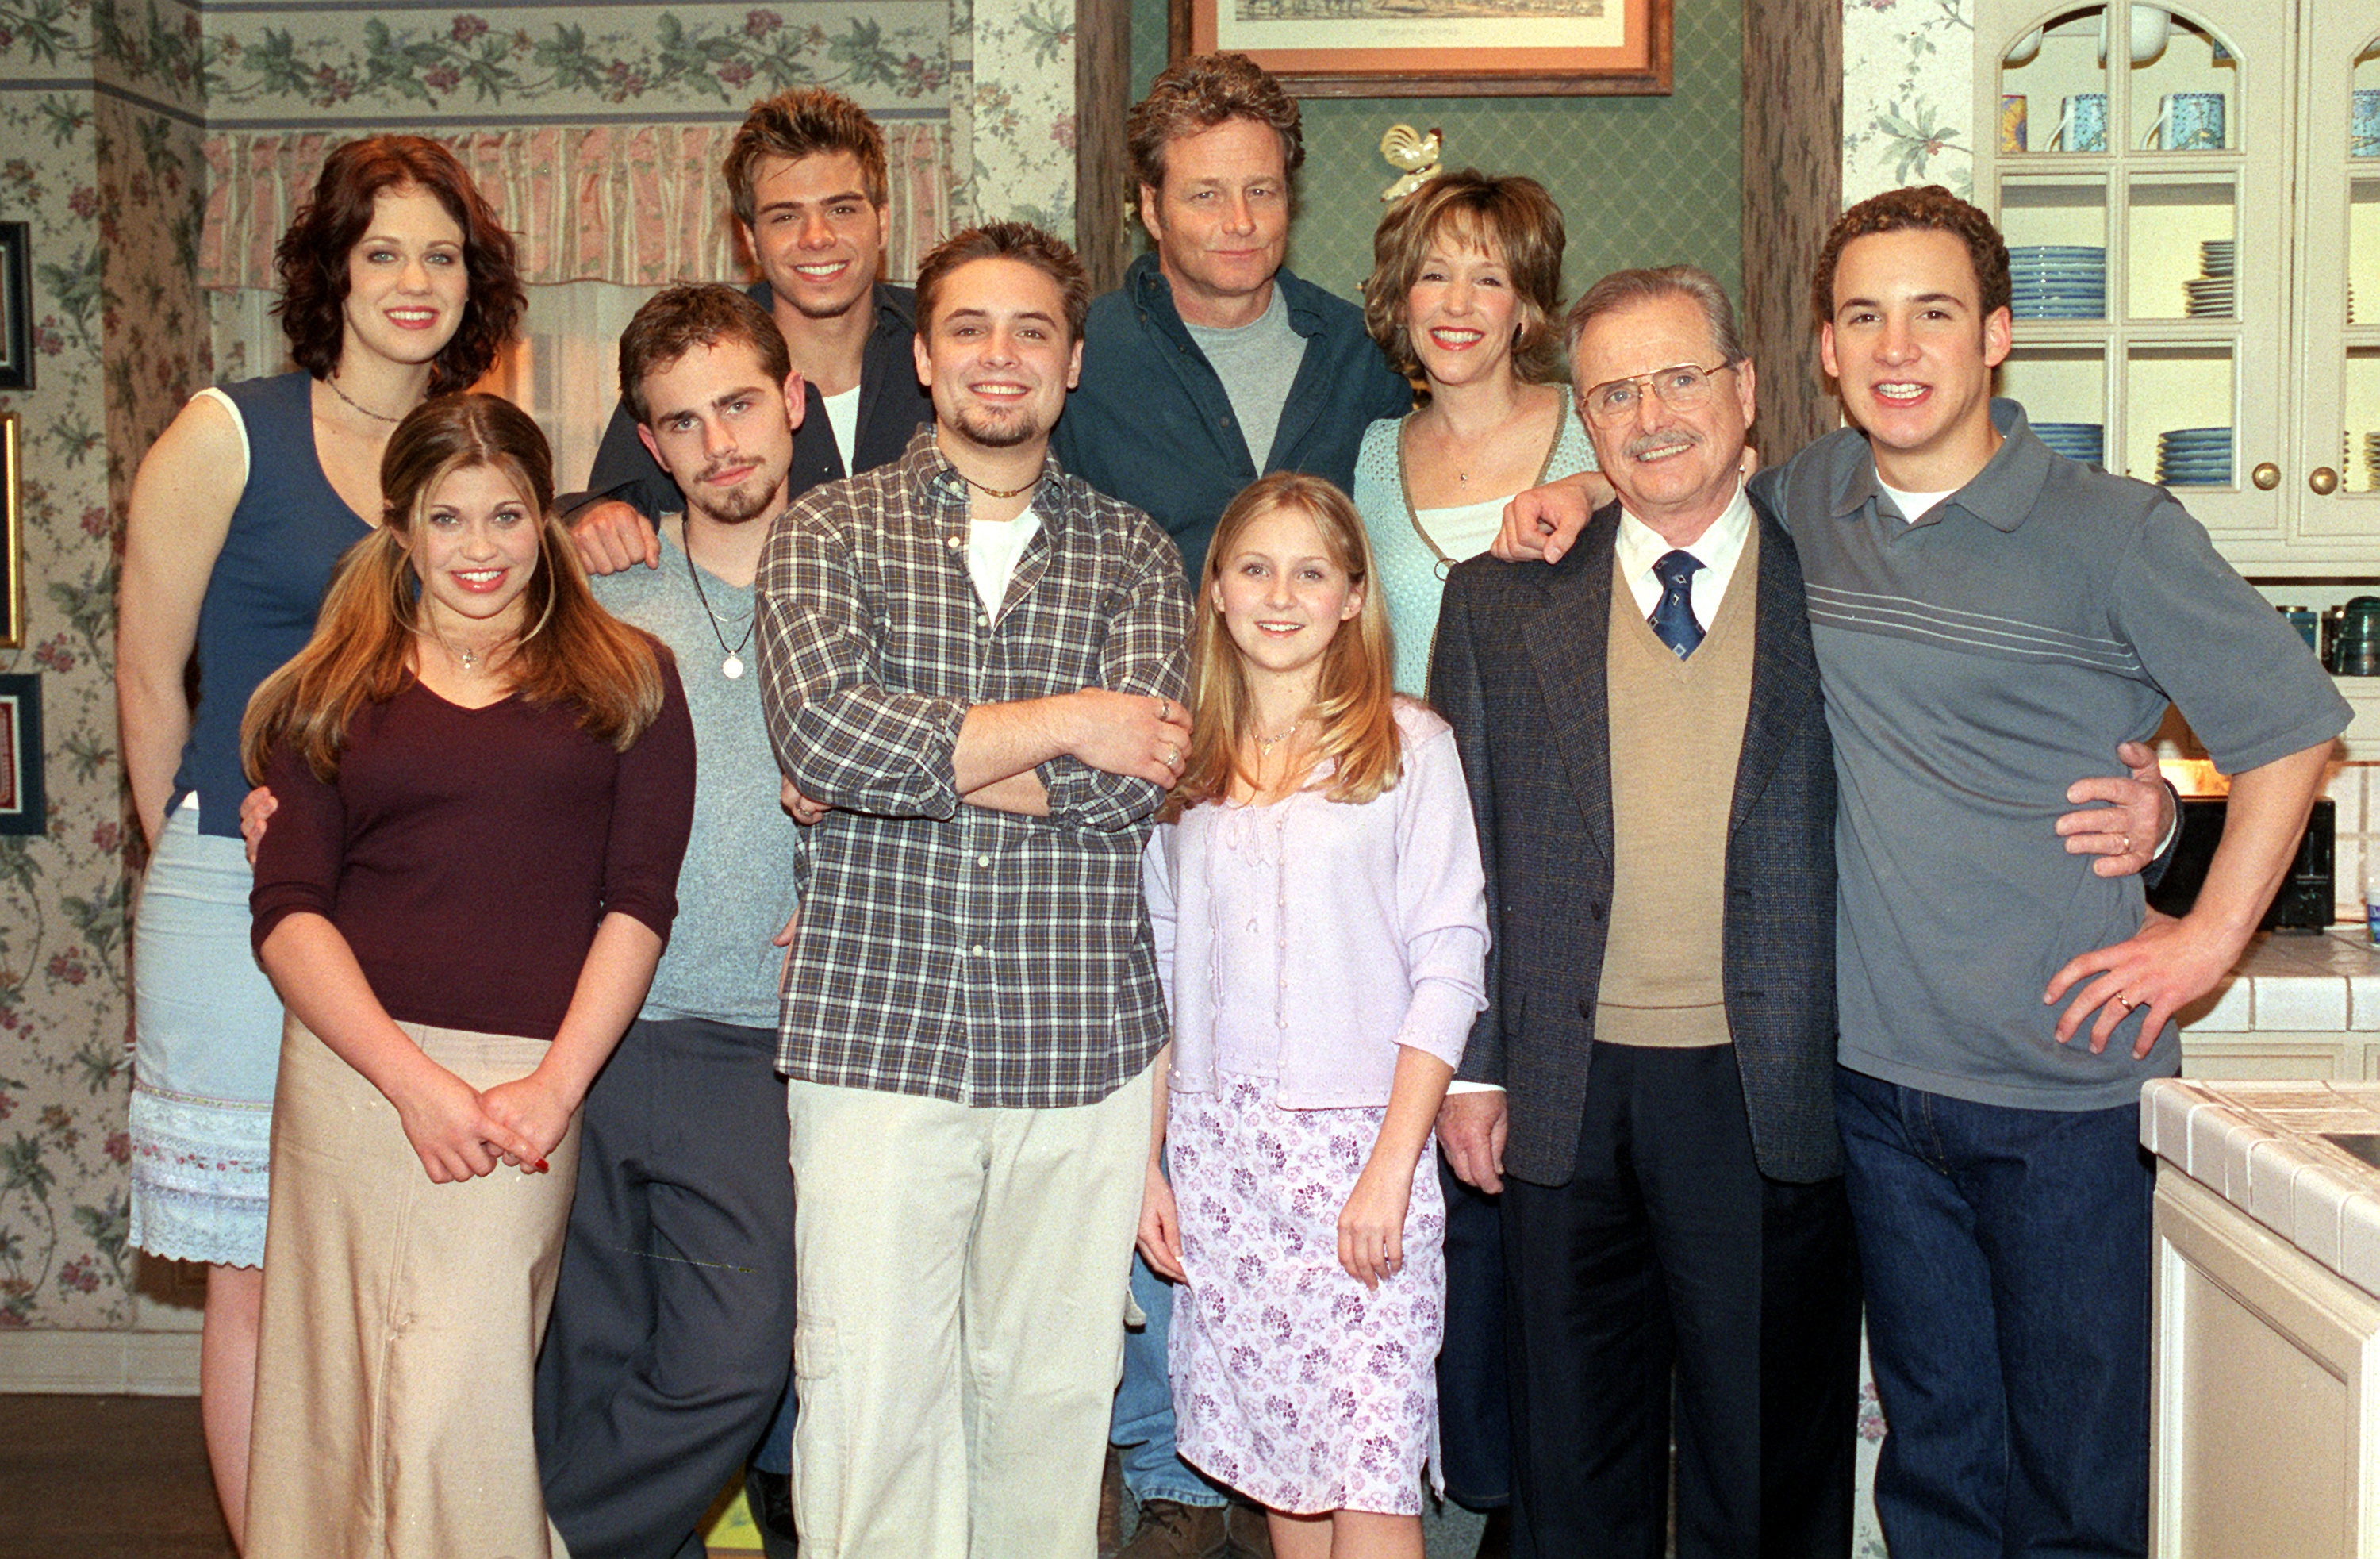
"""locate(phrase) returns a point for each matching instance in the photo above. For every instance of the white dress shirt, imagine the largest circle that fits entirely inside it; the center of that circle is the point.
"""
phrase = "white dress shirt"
(1719, 548)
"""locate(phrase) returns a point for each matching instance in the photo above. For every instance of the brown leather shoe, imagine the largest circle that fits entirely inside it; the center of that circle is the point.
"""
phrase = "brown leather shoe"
(1170, 1530)
(1110, 1506)
(1246, 1533)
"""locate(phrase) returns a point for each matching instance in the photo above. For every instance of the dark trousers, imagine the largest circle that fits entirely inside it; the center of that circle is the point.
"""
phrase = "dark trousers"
(1670, 1269)
(2007, 1259)
(673, 1324)
(1473, 1412)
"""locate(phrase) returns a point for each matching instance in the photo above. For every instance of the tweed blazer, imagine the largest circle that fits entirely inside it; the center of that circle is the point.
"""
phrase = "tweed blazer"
(1519, 673)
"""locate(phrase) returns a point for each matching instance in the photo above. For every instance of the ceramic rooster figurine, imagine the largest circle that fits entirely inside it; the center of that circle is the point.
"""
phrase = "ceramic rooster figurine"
(1417, 155)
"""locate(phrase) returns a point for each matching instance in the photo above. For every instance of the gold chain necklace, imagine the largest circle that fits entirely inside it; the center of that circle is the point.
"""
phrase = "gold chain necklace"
(1266, 744)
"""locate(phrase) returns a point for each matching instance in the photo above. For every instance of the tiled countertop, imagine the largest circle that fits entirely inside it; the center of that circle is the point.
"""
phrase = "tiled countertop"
(2258, 1146)
(2296, 982)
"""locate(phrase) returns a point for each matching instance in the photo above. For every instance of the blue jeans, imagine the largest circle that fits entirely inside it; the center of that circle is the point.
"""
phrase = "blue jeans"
(776, 1452)
(2005, 1259)
(1142, 1426)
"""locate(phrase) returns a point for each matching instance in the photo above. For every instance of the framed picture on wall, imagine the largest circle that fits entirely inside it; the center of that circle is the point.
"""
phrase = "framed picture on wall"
(15, 305)
(23, 807)
(12, 538)
(1440, 48)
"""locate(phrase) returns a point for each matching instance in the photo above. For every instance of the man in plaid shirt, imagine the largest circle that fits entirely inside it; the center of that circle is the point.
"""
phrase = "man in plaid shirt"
(977, 663)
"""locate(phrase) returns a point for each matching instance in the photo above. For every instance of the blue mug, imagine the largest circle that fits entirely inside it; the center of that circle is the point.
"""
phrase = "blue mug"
(2191, 122)
(2083, 127)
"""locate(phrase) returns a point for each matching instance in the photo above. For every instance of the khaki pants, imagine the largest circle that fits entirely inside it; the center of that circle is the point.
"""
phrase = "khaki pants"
(960, 1276)
(401, 1321)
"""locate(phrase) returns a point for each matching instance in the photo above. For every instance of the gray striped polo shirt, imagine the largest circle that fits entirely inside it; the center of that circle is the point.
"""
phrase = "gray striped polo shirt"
(1975, 665)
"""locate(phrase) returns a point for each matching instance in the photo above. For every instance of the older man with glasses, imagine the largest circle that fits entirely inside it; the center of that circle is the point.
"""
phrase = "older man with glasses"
(1647, 748)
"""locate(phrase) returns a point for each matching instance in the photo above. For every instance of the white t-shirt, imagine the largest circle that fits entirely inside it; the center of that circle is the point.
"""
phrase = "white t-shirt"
(993, 547)
(1913, 506)
(842, 421)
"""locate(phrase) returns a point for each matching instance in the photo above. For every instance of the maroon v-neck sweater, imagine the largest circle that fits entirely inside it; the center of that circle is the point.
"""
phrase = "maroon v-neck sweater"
(466, 855)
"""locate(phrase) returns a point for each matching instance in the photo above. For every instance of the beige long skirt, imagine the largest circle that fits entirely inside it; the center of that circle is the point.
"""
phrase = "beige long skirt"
(401, 1324)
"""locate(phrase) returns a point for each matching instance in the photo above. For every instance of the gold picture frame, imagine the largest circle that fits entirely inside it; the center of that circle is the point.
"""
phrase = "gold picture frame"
(1440, 48)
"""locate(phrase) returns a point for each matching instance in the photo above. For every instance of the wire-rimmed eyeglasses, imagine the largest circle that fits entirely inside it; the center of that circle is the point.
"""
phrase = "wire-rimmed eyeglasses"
(1680, 388)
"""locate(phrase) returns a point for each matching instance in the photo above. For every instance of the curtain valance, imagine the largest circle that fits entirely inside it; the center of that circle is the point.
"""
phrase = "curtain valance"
(638, 205)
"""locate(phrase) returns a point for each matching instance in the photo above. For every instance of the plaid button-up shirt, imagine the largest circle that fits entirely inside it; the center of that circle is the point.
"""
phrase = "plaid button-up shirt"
(943, 949)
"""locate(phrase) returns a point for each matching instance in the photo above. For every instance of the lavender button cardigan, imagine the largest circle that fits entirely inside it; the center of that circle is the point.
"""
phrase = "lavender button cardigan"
(1307, 940)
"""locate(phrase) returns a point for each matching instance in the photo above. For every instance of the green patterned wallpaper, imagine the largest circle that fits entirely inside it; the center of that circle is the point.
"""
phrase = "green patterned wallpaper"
(1641, 180)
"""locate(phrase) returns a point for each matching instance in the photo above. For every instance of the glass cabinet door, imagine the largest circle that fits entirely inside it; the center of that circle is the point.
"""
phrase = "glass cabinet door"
(2336, 464)
(2138, 164)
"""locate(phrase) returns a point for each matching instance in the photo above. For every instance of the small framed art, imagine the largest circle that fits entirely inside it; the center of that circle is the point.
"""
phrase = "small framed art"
(23, 804)
(15, 305)
(1440, 48)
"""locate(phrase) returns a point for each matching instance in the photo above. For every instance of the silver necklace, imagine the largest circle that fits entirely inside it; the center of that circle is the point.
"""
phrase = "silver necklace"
(467, 657)
(732, 666)
(359, 406)
(1266, 744)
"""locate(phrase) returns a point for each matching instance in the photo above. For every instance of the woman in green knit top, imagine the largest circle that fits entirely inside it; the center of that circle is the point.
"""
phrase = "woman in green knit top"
(1465, 294)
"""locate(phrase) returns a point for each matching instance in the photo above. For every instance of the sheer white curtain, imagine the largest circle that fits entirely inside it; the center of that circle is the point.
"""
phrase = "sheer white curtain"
(564, 370)
(565, 373)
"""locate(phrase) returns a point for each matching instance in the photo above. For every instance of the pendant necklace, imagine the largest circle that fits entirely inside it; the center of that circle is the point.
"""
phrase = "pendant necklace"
(466, 657)
(732, 666)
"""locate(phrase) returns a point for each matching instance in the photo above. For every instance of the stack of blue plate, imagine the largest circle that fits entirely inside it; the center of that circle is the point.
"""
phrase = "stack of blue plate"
(2059, 282)
(2194, 457)
(2086, 441)
(2209, 297)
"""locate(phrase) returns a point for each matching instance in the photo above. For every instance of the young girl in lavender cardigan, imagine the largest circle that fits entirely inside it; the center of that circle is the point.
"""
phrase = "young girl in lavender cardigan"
(1321, 928)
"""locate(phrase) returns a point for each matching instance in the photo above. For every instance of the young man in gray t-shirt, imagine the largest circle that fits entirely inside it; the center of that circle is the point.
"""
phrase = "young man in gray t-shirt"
(672, 1322)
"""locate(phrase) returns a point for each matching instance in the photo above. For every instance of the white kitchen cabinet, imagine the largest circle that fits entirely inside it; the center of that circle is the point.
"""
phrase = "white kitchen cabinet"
(2266, 1439)
(2280, 362)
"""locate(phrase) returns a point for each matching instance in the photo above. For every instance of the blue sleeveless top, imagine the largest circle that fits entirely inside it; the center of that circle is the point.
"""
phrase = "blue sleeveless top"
(289, 530)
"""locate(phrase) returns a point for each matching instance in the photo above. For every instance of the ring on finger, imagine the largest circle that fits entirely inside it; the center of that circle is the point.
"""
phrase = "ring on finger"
(2121, 1005)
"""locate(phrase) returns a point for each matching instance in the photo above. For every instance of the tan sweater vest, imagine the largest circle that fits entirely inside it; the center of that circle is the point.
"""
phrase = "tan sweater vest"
(1677, 728)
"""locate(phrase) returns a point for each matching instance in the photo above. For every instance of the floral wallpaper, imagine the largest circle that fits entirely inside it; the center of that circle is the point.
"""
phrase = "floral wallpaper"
(403, 61)
(102, 163)
(1022, 134)
(1908, 96)
(105, 107)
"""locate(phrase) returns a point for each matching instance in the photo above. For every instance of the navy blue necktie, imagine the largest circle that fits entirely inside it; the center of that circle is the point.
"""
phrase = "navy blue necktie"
(1673, 616)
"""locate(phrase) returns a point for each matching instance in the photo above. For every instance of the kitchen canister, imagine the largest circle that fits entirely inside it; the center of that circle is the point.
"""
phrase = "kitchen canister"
(2363, 129)
(2359, 638)
(2308, 622)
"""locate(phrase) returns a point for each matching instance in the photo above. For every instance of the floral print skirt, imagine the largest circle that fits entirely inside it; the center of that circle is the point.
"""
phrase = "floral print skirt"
(1291, 1382)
